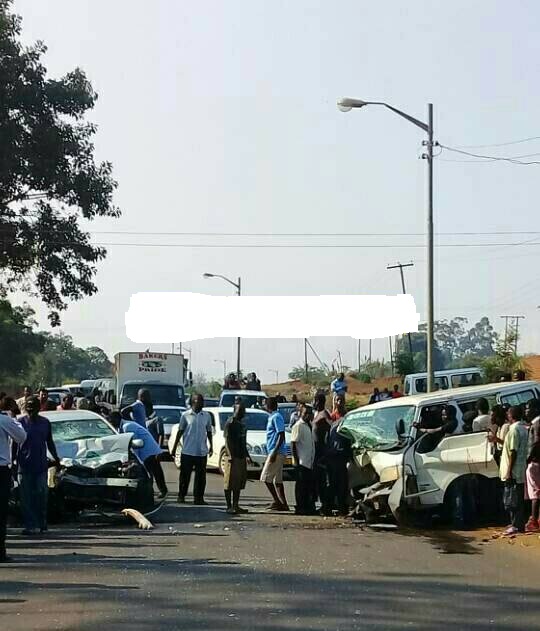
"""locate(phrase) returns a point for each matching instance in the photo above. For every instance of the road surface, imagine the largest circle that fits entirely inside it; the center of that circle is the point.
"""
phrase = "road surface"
(201, 569)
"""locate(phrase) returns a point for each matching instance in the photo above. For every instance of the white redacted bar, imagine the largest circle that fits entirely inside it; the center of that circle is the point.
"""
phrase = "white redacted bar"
(181, 317)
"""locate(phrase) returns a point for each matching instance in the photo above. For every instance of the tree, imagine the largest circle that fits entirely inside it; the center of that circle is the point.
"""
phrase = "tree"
(49, 179)
(314, 374)
(19, 343)
(99, 365)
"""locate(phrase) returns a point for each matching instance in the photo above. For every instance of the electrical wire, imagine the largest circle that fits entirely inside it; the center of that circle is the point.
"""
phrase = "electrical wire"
(513, 160)
(297, 245)
(500, 144)
(312, 234)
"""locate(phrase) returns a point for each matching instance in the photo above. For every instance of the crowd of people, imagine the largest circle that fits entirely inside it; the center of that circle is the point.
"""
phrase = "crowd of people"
(320, 453)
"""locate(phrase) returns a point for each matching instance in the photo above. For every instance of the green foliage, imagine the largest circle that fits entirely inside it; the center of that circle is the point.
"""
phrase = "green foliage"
(31, 357)
(63, 362)
(375, 369)
(404, 364)
(49, 179)
(18, 342)
(316, 376)
(505, 360)
(203, 386)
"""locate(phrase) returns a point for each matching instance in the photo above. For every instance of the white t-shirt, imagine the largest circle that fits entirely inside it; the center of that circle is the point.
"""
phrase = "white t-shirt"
(481, 422)
(302, 437)
(195, 426)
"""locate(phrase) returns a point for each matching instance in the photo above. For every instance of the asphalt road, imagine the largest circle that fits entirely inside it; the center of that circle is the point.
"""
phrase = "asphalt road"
(201, 569)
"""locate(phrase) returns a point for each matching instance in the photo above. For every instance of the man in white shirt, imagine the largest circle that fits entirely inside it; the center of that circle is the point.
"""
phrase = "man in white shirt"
(195, 429)
(483, 421)
(303, 452)
(10, 429)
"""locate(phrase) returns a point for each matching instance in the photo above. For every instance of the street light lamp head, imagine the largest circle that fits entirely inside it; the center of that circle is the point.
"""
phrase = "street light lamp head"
(346, 104)
(207, 275)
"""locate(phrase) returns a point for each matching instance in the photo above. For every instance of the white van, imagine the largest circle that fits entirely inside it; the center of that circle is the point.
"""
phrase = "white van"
(444, 380)
(391, 474)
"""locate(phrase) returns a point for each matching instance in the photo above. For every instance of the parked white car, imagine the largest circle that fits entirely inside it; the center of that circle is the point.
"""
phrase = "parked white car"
(390, 472)
(255, 420)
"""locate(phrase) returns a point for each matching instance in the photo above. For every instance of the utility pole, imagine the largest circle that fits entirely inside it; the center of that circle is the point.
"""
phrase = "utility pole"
(401, 266)
(517, 319)
(391, 356)
(370, 351)
(359, 357)
(276, 373)
(305, 361)
(506, 318)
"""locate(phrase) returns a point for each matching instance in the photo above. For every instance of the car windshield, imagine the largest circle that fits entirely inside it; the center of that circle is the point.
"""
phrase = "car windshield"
(376, 427)
(79, 429)
(169, 416)
(160, 394)
(254, 421)
(227, 400)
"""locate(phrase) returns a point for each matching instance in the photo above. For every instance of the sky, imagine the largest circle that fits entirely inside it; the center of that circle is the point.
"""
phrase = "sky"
(220, 117)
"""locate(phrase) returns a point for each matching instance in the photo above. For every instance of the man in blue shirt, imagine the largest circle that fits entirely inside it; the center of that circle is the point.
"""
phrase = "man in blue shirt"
(148, 454)
(140, 410)
(33, 466)
(276, 447)
(339, 385)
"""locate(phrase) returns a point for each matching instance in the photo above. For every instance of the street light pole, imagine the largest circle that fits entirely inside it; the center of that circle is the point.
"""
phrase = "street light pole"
(430, 257)
(238, 287)
(224, 362)
(346, 105)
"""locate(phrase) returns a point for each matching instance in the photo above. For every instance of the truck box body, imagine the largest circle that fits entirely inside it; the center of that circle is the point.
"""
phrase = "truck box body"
(162, 373)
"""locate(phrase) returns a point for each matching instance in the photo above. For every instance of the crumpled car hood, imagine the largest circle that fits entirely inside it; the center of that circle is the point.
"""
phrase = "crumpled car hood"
(379, 460)
(94, 452)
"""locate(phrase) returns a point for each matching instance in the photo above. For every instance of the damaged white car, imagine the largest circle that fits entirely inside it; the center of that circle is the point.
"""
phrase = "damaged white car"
(397, 473)
(99, 470)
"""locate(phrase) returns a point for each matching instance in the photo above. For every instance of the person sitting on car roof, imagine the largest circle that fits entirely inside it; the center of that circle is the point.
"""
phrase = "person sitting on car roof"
(252, 382)
(231, 382)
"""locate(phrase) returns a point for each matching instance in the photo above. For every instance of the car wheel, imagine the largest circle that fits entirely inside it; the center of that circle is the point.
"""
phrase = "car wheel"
(222, 461)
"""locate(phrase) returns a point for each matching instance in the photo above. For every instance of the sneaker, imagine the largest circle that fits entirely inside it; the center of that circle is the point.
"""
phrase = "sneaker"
(511, 530)
(162, 495)
(240, 511)
(231, 511)
(181, 499)
(273, 506)
(532, 525)
(200, 502)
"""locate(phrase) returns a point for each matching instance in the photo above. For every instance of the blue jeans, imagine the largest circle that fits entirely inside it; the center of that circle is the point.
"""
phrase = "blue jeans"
(34, 492)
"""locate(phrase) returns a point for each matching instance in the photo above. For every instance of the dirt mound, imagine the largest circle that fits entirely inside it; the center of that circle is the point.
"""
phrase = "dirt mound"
(533, 366)
(356, 389)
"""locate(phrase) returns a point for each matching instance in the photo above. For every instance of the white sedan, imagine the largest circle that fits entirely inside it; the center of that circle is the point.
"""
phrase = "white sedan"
(255, 421)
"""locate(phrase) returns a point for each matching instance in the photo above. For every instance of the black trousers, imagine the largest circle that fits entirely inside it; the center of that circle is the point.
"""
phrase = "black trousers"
(304, 491)
(5, 489)
(187, 464)
(154, 468)
(517, 514)
(339, 484)
(320, 487)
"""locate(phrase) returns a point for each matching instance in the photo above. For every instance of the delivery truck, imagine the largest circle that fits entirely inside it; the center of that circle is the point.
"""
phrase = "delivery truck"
(164, 375)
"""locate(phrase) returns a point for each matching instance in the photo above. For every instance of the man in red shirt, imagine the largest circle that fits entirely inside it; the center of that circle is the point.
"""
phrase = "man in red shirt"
(396, 393)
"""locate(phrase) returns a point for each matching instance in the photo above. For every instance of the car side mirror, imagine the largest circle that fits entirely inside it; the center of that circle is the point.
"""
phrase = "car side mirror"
(137, 443)
(400, 427)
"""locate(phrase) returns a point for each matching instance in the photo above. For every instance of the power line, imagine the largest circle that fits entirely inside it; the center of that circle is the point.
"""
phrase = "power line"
(310, 234)
(500, 144)
(345, 246)
(513, 160)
